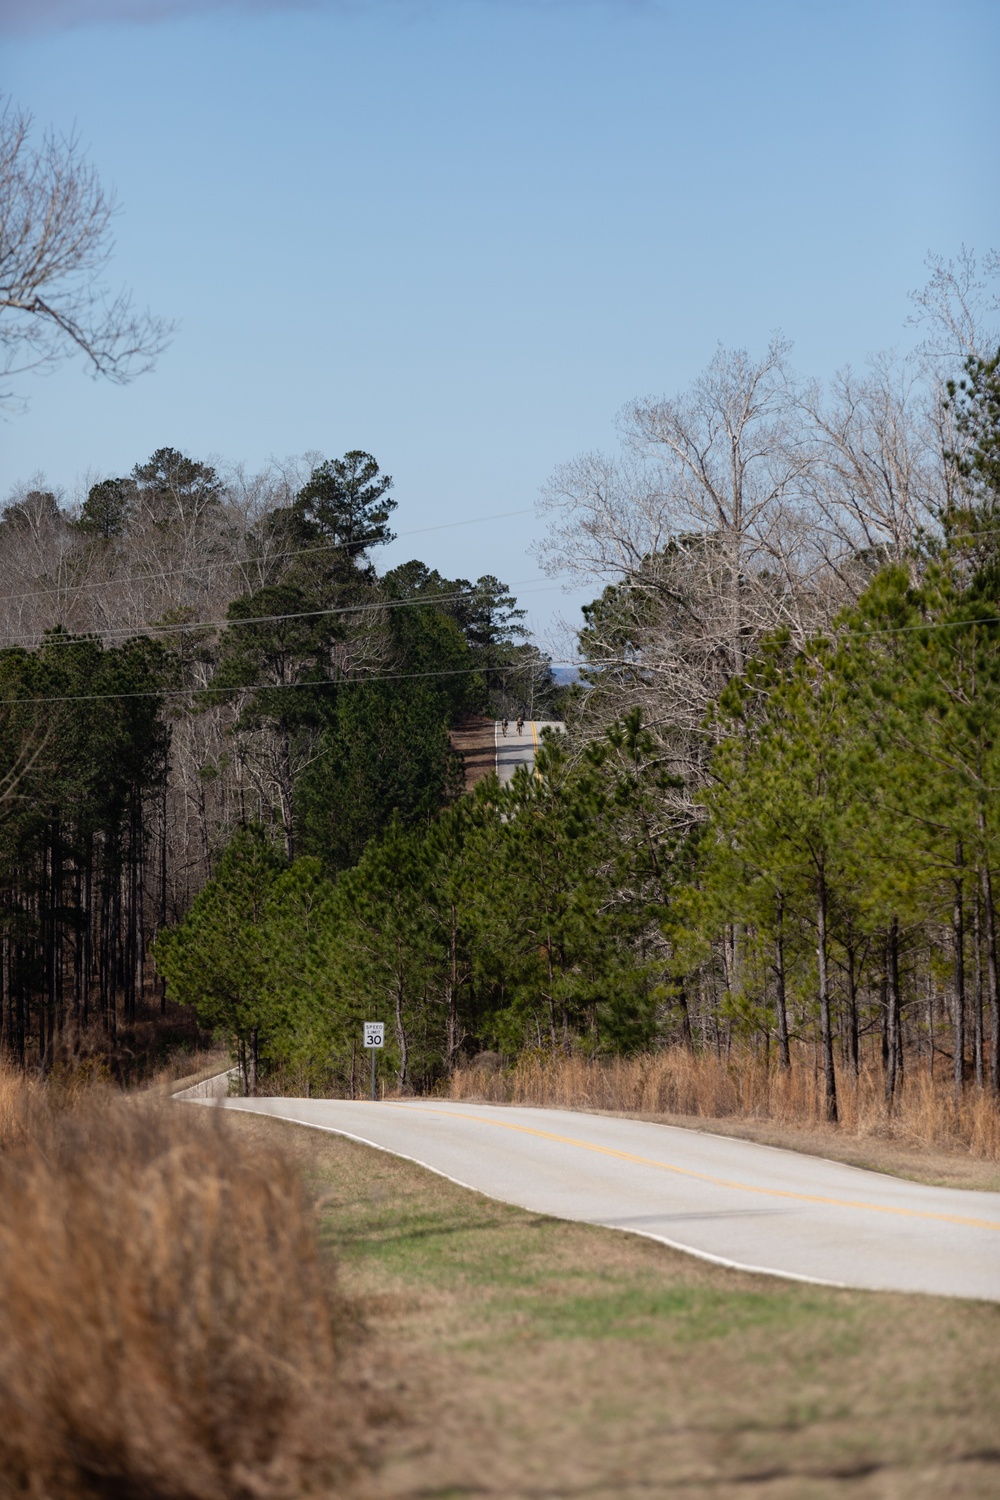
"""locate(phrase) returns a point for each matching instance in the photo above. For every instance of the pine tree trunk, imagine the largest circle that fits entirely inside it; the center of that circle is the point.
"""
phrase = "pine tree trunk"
(825, 1020)
(958, 939)
(989, 923)
(687, 1036)
(452, 1038)
(401, 1037)
(87, 959)
(784, 1051)
(163, 878)
(854, 1034)
(252, 1063)
(287, 820)
(892, 1017)
(977, 1014)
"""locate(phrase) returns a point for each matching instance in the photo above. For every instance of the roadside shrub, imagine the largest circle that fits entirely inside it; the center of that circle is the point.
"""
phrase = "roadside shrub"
(167, 1329)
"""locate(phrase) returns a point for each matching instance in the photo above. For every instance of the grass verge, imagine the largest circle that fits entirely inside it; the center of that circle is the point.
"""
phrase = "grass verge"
(533, 1358)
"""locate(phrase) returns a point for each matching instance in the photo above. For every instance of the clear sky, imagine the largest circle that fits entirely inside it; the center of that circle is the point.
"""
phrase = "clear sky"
(462, 233)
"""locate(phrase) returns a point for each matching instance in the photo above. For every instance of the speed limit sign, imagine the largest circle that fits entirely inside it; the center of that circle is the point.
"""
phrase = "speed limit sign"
(374, 1035)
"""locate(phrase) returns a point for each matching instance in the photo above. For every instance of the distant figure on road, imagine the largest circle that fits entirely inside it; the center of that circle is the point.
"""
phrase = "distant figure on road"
(503, 725)
(520, 723)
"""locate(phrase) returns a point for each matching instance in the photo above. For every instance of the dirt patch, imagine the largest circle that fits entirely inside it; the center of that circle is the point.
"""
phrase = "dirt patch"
(475, 740)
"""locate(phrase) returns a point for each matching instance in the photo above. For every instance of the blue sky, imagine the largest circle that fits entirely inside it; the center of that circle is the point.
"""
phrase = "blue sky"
(462, 234)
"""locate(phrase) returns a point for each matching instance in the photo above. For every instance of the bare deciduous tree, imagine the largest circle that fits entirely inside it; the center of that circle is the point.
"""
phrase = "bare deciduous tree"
(959, 307)
(703, 530)
(877, 478)
(55, 245)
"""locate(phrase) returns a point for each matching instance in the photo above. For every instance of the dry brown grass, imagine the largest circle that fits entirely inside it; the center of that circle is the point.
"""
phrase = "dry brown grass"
(16, 1091)
(167, 1327)
(703, 1086)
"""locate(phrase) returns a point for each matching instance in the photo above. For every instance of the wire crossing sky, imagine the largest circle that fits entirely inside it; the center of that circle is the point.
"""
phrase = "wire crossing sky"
(462, 235)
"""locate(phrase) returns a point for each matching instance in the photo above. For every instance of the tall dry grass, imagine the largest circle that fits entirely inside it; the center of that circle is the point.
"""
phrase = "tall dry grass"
(16, 1091)
(167, 1328)
(679, 1082)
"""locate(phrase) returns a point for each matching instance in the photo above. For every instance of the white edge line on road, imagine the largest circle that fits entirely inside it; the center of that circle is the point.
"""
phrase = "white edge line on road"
(644, 1234)
(496, 749)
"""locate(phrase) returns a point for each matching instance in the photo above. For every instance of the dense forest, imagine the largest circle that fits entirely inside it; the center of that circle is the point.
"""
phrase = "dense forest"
(772, 823)
(185, 656)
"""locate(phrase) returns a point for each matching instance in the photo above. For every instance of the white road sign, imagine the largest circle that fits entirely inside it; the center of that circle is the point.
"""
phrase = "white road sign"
(374, 1033)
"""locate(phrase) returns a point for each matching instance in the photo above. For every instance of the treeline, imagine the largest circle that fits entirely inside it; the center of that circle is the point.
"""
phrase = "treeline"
(82, 831)
(519, 918)
(206, 667)
(810, 870)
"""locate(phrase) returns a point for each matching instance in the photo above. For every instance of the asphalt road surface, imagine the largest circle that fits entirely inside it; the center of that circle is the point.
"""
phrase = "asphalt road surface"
(734, 1202)
(515, 749)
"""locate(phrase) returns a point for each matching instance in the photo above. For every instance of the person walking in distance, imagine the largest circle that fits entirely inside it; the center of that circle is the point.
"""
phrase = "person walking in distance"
(520, 723)
(503, 725)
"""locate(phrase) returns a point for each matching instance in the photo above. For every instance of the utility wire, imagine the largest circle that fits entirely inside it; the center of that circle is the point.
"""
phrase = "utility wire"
(530, 585)
(101, 583)
(593, 666)
(277, 687)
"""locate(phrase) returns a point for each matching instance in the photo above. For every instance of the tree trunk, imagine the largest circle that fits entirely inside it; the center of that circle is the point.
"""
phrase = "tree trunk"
(989, 923)
(686, 1034)
(285, 792)
(825, 1021)
(163, 876)
(252, 1063)
(401, 1038)
(892, 1017)
(958, 938)
(853, 1030)
(977, 1014)
(452, 1037)
(784, 1051)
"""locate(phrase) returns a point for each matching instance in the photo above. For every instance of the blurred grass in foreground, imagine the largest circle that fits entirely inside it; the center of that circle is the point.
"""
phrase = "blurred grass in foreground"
(168, 1326)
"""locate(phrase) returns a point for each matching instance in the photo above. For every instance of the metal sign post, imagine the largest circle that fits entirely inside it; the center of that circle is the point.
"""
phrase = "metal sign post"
(374, 1038)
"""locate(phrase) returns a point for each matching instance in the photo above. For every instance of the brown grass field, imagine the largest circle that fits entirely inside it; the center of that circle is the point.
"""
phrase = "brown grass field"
(923, 1137)
(530, 1359)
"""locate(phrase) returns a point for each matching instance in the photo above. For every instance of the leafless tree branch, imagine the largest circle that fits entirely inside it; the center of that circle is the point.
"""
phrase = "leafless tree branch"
(55, 245)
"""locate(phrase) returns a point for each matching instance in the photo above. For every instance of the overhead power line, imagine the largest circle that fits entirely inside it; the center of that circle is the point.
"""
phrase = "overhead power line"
(277, 687)
(528, 585)
(100, 583)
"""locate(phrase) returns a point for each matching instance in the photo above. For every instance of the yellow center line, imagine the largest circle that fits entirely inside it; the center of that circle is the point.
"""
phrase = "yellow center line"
(534, 745)
(741, 1187)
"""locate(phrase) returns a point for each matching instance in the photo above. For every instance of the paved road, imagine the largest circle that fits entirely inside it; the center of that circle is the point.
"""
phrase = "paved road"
(515, 749)
(730, 1201)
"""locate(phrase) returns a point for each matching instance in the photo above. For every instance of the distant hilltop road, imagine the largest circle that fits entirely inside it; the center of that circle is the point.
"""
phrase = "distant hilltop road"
(518, 748)
(487, 751)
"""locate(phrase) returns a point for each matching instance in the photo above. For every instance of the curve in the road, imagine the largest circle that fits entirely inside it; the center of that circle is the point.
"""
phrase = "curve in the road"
(739, 1204)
